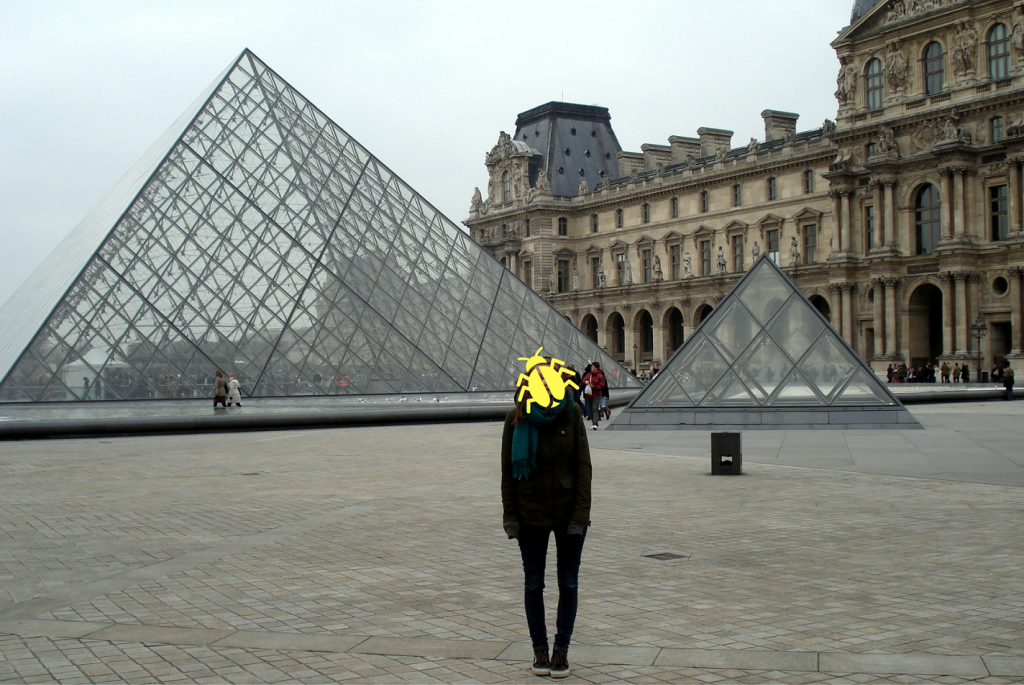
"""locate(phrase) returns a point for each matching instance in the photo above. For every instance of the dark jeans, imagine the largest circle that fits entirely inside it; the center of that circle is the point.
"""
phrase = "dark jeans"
(594, 404)
(1009, 393)
(533, 544)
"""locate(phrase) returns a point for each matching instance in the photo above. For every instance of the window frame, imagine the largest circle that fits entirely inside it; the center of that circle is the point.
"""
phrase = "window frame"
(999, 212)
(647, 264)
(808, 181)
(594, 223)
(645, 213)
(998, 51)
(506, 186)
(869, 227)
(737, 195)
(676, 259)
(809, 243)
(997, 128)
(619, 220)
(675, 207)
(620, 268)
(874, 84)
(705, 257)
(563, 226)
(772, 235)
(773, 189)
(927, 218)
(564, 275)
(934, 68)
(705, 201)
(528, 273)
(738, 246)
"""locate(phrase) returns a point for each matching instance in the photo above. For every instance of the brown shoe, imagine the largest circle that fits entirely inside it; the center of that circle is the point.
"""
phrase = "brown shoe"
(559, 664)
(541, 664)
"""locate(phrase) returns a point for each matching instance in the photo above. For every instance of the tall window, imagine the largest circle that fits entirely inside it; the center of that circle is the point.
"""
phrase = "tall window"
(594, 280)
(675, 208)
(810, 243)
(528, 274)
(646, 213)
(809, 181)
(618, 218)
(874, 84)
(934, 69)
(998, 52)
(997, 129)
(705, 201)
(620, 268)
(869, 227)
(563, 276)
(999, 218)
(593, 223)
(705, 258)
(737, 195)
(773, 189)
(563, 226)
(506, 187)
(737, 253)
(526, 225)
(647, 265)
(772, 247)
(928, 224)
(677, 262)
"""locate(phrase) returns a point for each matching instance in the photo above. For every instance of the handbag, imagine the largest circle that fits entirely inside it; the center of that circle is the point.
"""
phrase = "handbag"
(587, 390)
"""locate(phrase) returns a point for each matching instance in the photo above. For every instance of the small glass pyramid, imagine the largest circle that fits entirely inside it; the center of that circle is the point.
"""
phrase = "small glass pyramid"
(257, 237)
(770, 359)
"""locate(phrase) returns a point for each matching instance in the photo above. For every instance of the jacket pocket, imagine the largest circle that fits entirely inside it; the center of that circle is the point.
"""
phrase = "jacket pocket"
(524, 487)
(566, 483)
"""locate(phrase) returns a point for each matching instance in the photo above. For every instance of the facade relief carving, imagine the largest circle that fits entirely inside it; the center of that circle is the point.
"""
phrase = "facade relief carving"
(903, 9)
(964, 51)
(897, 68)
(846, 81)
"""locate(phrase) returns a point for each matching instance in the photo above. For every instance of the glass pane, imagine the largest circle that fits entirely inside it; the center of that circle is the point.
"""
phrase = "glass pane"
(763, 367)
(729, 392)
(699, 368)
(664, 392)
(829, 365)
(795, 390)
(764, 291)
(732, 329)
(796, 327)
(864, 390)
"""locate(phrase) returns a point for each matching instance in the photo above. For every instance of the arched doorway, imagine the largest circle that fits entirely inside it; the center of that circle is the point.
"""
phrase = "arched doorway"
(675, 329)
(616, 330)
(644, 332)
(589, 326)
(821, 304)
(702, 313)
(925, 324)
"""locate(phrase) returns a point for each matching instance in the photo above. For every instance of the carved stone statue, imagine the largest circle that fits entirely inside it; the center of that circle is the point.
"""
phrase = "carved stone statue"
(951, 130)
(542, 183)
(553, 283)
(752, 146)
(584, 187)
(789, 136)
(897, 67)
(687, 266)
(828, 127)
(575, 278)
(721, 153)
(600, 276)
(658, 274)
(627, 272)
(794, 253)
(887, 141)
(846, 81)
(965, 49)
(1017, 32)
(755, 251)
(721, 260)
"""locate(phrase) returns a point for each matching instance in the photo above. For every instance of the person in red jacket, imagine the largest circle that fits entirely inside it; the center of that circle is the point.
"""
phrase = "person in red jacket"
(594, 384)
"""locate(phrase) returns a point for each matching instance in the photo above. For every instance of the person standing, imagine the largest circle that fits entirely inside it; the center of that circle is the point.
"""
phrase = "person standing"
(1008, 382)
(944, 370)
(956, 373)
(234, 391)
(965, 374)
(594, 385)
(889, 373)
(220, 390)
(577, 393)
(545, 488)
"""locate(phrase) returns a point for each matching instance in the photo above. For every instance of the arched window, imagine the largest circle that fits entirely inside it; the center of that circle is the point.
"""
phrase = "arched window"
(998, 52)
(928, 224)
(934, 69)
(874, 82)
(506, 187)
(997, 129)
(618, 218)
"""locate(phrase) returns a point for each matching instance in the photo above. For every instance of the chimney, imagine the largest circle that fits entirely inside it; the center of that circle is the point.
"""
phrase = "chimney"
(711, 139)
(777, 124)
(681, 147)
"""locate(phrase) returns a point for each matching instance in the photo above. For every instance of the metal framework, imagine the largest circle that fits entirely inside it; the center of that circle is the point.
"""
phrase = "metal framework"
(257, 237)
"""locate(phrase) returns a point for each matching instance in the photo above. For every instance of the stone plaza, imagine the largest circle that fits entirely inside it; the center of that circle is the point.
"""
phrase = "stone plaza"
(376, 555)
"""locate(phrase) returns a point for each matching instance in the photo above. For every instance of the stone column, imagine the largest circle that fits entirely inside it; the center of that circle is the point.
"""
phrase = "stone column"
(879, 316)
(948, 313)
(1013, 274)
(946, 210)
(960, 322)
(959, 195)
(879, 208)
(847, 299)
(847, 225)
(890, 214)
(603, 339)
(837, 308)
(890, 315)
(659, 332)
(837, 216)
(630, 338)
(1014, 196)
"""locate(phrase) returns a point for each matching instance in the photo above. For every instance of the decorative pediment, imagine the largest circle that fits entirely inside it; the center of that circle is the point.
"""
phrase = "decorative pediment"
(506, 149)
(564, 252)
(808, 214)
(770, 220)
(734, 227)
(594, 250)
(619, 246)
(703, 233)
(645, 240)
(672, 237)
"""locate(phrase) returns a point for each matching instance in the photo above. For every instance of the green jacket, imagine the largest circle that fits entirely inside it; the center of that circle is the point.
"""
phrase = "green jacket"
(559, 491)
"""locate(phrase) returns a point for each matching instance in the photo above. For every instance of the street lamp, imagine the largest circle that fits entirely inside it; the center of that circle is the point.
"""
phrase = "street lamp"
(978, 330)
(635, 365)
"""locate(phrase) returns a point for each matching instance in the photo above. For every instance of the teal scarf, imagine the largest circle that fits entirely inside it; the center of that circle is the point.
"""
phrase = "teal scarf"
(526, 435)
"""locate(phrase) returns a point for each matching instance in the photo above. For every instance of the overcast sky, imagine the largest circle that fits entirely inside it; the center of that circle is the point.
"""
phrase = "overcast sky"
(425, 85)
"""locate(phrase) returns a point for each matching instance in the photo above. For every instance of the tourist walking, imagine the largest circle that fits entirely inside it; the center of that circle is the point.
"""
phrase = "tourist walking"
(889, 373)
(577, 393)
(1008, 382)
(594, 385)
(965, 374)
(234, 391)
(545, 489)
(220, 390)
(956, 373)
(944, 369)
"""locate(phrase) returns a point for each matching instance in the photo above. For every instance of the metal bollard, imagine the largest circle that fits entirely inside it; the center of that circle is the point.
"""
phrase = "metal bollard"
(726, 454)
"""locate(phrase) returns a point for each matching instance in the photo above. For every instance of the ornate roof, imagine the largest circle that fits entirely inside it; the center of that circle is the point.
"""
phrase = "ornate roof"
(862, 7)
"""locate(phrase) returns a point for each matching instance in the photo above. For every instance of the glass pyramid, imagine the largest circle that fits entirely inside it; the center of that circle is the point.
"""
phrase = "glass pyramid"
(770, 359)
(257, 237)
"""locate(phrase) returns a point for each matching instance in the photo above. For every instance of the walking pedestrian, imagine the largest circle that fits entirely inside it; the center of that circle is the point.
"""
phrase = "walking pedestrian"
(965, 374)
(594, 385)
(545, 488)
(956, 373)
(577, 394)
(1008, 382)
(220, 390)
(944, 369)
(234, 391)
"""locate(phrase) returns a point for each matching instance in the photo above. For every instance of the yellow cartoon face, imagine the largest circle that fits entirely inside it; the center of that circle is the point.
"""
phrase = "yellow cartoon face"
(545, 380)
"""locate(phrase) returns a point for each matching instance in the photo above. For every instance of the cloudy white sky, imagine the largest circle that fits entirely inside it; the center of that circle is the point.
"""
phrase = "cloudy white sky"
(426, 85)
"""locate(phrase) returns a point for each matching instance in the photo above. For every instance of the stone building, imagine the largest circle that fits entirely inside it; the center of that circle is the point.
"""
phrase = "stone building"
(901, 221)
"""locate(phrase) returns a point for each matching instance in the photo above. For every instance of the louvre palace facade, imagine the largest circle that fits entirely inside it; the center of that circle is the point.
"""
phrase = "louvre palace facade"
(901, 220)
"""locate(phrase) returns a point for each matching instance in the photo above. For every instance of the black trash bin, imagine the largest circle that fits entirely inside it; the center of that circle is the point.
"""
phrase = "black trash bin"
(726, 454)
(984, 376)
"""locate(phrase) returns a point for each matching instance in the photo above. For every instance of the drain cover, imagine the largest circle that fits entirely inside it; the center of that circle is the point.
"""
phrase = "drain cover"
(665, 556)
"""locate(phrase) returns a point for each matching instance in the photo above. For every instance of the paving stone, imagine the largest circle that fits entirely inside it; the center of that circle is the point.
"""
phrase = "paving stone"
(906, 664)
